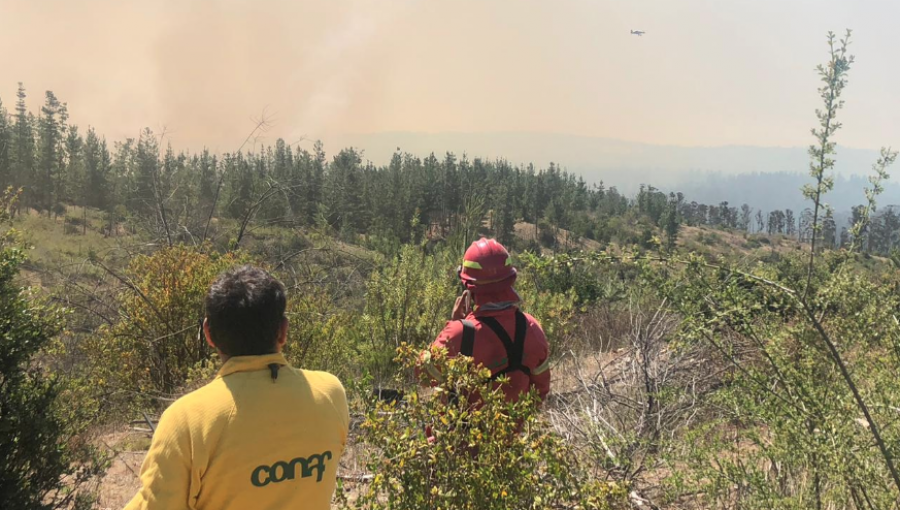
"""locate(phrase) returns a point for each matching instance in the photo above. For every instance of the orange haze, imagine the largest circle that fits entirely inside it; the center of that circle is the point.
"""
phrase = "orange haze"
(706, 73)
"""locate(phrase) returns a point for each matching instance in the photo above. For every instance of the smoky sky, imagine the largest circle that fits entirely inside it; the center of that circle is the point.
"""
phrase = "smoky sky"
(707, 73)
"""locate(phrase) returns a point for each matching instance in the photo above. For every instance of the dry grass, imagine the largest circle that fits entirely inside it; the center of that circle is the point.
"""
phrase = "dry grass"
(726, 242)
(564, 238)
(121, 481)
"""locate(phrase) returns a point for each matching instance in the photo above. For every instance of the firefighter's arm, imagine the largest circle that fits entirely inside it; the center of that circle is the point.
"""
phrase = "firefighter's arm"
(166, 474)
(541, 381)
(540, 376)
(449, 339)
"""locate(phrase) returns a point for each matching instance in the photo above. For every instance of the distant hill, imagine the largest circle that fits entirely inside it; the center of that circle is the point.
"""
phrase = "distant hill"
(620, 163)
(781, 190)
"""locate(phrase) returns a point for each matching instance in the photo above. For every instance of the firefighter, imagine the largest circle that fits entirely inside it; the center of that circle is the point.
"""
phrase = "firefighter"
(262, 434)
(488, 325)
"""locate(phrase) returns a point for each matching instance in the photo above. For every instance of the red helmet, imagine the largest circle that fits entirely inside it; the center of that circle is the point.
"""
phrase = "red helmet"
(485, 262)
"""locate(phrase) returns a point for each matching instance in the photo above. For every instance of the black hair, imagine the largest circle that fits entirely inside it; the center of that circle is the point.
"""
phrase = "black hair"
(245, 310)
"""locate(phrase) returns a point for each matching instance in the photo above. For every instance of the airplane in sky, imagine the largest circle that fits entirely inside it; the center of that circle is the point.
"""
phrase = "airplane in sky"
(638, 32)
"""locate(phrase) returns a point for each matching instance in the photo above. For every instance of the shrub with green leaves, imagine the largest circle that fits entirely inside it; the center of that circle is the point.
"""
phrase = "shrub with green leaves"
(407, 301)
(485, 454)
(151, 351)
(807, 417)
(45, 462)
(322, 336)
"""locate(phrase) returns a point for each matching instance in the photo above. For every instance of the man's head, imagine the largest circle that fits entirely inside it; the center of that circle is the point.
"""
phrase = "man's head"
(487, 272)
(245, 313)
(486, 262)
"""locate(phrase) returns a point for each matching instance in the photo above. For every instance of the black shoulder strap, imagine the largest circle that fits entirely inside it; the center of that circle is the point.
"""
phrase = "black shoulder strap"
(468, 339)
(515, 351)
(466, 349)
(519, 352)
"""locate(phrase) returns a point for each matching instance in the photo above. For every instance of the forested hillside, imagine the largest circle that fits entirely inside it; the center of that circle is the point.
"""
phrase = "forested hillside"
(703, 355)
(144, 184)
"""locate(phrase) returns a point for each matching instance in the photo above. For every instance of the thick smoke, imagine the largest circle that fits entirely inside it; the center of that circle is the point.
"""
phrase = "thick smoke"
(706, 73)
(202, 70)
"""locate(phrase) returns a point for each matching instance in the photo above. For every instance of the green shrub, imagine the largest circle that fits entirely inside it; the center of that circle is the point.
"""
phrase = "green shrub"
(709, 238)
(493, 455)
(152, 349)
(559, 275)
(752, 242)
(789, 429)
(555, 288)
(547, 234)
(44, 461)
(320, 336)
(408, 301)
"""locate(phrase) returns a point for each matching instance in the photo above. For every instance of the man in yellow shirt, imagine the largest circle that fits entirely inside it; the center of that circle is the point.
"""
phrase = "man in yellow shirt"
(262, 435)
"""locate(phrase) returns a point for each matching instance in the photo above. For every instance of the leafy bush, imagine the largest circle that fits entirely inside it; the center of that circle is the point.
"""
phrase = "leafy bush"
(754, 242)
(812, 389)
(322, 337)
(547, 234)
(709, 238)
(554, 310)
(559, 274)
(407, 302)
(44, 461)
(556, 288)
(493, 454)
(150, 351)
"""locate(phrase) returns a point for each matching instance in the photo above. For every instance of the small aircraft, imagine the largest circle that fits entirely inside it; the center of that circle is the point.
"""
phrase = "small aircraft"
(638, 32)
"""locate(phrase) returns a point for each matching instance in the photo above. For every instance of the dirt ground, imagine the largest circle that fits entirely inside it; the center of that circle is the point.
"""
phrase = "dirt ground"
(121, 482)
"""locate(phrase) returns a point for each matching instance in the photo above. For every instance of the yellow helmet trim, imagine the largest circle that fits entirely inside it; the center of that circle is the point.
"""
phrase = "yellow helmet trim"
(471, 264)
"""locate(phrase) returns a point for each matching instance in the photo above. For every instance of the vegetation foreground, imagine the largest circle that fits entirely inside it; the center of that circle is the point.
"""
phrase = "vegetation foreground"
(698, 365)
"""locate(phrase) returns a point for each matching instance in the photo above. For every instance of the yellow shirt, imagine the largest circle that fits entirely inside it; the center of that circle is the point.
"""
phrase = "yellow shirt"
(245, 441)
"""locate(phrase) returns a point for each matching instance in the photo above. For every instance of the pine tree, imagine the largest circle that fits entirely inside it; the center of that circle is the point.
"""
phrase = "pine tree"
(96, 189)
(143, 192)
(714, 216)
(703, 215)
(789, 225)
(346, 205)
(725, 219)
(74, 174)
(170, 170)
(776, 222)
(24, 144)
(316, 181)
(208, 179)
(6, 177)
(856, 215)
(240, 185)
(671, 222)
(829, 230)
(890, 222)
(845, 238)
(47, 186)
(505, 221)
(122, 177)
(60, 179)
(746, 213)
(451, 198)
